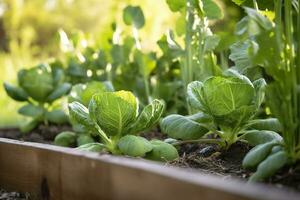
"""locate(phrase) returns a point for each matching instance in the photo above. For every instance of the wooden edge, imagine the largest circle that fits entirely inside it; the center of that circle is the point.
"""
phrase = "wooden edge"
(233, 188)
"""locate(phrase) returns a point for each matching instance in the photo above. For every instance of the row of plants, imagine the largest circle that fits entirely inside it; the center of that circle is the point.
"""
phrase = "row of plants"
(188, 89)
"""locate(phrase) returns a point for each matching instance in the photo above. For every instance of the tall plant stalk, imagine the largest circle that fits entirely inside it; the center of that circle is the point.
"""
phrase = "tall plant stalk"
(288, 82)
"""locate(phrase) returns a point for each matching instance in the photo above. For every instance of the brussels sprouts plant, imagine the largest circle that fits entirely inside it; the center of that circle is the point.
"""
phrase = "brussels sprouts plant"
(115, 118)
(81, 93)
(227, 107)
(40, 87)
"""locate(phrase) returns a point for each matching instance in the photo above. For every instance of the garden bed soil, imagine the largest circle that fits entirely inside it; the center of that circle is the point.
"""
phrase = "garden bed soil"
(204, 157)
(41, 134)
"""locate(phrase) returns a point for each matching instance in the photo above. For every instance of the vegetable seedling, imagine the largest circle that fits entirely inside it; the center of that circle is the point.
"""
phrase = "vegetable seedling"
(40, 87)
(116, 119)
(227, 106)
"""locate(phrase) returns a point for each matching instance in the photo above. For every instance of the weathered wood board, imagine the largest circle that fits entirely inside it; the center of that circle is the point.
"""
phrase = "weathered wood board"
(57, 173)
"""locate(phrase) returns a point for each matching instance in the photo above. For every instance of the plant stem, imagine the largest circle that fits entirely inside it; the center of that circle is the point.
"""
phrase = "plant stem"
(187, 67)
(255, 5)
(103, 136)
(138, 45)
(210, 141)
(298, 72)
(291, 78)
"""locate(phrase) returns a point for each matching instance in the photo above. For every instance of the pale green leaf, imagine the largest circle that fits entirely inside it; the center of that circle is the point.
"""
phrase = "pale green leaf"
(257, 155)
(162, 151)
(135, 146)
(181, 127)
(256, 137)
(65, 139)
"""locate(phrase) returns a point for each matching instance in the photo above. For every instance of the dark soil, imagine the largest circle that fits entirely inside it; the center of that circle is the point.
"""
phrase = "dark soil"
(8, 195)
(41, 134)
(210, 159)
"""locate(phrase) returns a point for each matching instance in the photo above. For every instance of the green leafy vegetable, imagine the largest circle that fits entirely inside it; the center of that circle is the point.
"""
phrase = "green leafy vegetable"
(226, 105)
(115, 118)
(40, 86)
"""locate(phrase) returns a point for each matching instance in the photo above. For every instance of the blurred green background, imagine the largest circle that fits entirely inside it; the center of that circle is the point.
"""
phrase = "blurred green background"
(29, 33)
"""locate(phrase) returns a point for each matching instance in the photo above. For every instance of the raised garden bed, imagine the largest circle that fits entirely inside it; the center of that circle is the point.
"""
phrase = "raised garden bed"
(51, 172)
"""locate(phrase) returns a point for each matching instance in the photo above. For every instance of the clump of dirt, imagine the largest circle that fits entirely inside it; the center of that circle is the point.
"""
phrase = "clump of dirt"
(210, 159)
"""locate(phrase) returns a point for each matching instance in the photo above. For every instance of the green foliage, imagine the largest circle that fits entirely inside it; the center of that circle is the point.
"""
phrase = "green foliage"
(226, 104)
(133, 15)
(272, 47)
(40, 87)
(116, 119)
(65, 139)
(162, 151)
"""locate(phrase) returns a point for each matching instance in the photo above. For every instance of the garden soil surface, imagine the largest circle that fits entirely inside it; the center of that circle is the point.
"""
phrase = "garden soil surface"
(41, 134)
(206, 158)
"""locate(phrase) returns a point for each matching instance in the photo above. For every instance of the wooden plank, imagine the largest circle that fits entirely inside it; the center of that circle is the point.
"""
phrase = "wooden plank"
(58, 173)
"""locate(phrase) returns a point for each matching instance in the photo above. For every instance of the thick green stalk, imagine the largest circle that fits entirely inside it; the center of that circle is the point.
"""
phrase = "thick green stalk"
(291, 78)
(255, 5)
(187, 67)
(138, 45)
(298, 72)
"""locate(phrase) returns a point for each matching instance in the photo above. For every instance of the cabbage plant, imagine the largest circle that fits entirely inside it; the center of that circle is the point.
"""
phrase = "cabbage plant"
(115, 118)
(40, 87)
(226, 107)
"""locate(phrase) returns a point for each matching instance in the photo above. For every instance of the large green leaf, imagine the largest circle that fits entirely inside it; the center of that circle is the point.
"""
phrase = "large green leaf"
(181, 127)
(162, 151)
(148, 117)
(65, 139)
(257, 155)
(176, 5)
(225, 95)
(15, 93)
(212, 10)
(271, 124)
(133, 15)
(270, 166)
(114, 111)
(134, 146)
(256, 137)
(60, 91)
(31, 110)
(37, 82)
(80, 114)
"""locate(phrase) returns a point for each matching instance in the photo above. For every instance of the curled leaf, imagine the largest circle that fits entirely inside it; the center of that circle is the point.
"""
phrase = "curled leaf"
(257, 155)
(15, 93)
(181, 127)
(65, 139)
(270, 166)
(162, 151)
(135, 146)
